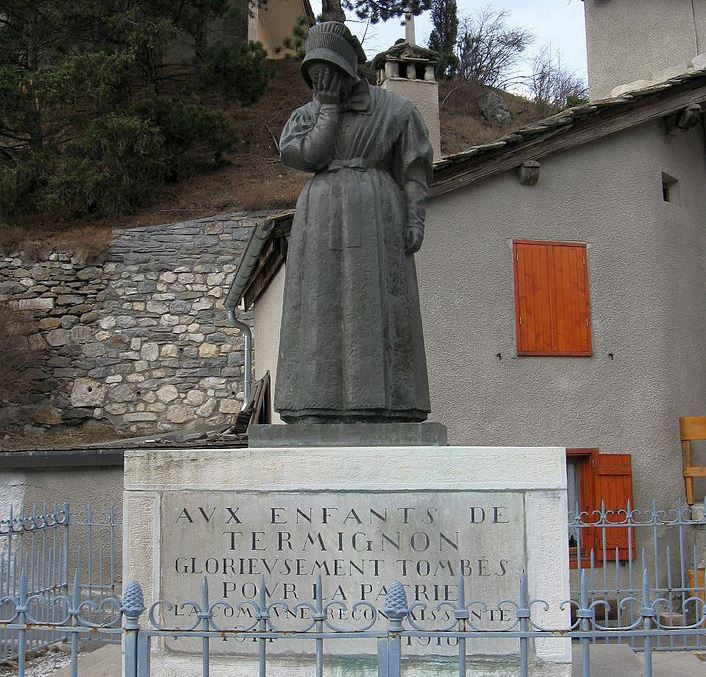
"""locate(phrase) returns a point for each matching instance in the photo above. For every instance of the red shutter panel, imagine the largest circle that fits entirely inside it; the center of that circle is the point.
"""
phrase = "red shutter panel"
(552, 308)
(613, 477)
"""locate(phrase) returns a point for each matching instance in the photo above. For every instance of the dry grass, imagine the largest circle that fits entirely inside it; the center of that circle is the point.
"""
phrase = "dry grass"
(88, 242)
(463, 126)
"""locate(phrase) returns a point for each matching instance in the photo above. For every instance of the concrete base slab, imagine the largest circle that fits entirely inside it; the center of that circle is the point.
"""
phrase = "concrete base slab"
(348, 435)
(682, 663)
(103, 662)
(608, 660)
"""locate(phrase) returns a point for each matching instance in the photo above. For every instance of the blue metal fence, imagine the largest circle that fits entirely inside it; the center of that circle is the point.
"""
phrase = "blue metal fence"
(401, 621)
(652, 599)
(39, 546)
(668, 544)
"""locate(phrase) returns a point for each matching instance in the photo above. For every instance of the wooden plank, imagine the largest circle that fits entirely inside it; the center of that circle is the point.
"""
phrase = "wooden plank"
(571, 136)
(692, 427)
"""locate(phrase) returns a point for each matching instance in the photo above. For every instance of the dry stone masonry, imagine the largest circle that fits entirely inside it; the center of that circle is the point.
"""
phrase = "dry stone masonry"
(139, 340)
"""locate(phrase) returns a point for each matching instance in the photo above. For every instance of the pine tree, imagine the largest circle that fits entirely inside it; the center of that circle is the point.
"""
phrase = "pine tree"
(444, 16)
(95, 111)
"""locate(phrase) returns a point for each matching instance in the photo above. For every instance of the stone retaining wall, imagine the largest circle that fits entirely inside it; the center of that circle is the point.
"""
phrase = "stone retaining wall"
(139, 340)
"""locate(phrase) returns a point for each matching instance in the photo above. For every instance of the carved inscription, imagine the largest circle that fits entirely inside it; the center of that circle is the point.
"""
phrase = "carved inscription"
(358, 543)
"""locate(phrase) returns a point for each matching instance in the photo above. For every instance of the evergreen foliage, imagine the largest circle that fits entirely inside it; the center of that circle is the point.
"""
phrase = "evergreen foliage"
(443, 38)
(103, 100)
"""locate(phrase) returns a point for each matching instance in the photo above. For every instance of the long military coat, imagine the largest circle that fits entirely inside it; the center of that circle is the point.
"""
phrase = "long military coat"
(351, 343)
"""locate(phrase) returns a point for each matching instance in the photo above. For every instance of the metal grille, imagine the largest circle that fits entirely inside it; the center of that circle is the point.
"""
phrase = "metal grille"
(664, 543)
(39, 546)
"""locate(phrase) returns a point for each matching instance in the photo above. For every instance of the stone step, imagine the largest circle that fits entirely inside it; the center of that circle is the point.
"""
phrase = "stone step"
(608, 660)
(673, 663)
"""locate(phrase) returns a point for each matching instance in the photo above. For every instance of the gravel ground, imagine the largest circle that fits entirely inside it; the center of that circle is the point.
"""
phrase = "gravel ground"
(41, 665)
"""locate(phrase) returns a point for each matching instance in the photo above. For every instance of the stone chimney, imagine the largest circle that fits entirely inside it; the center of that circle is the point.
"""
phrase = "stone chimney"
(410, 71)
(635, 43)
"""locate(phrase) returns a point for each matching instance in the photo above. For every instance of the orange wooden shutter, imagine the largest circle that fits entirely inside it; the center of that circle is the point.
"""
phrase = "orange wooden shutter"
(552, 308)
(613, 477)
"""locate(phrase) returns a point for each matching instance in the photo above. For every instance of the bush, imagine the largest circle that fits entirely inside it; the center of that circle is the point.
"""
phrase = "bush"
(114, 167)
(195, 137)
(238, 73)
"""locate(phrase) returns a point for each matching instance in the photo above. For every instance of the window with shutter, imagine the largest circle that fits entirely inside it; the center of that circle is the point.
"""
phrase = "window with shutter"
(595, 480)
(552, 306)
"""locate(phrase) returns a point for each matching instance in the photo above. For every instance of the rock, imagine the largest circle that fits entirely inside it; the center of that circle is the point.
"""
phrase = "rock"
(49, 323)
(118, 341)
(36, 342)
(195, 397)
(140, 416)
(87, 392)
(90, 316)
(203, 304)
(81, 334)
(135, 344)
(108, 322)
(35, 304)
(167, 393)
(178, 413)
(149, 352)
(58, 337)
(168, 276)
(47, 416)
(116, 408)
(209, 350)
(184, 278)
(495, 110)
(178, 307)
(90, 273)
(113, 378)
(170, 350)
(213, 228)
(125, 321)
(68, 321)
(69, 299)
(215, 279)
(157, 307)
(169, 320)
(699, 62)
(76, 416)
(229, 406)
(147, 287)
(207, 408)
(121, 393)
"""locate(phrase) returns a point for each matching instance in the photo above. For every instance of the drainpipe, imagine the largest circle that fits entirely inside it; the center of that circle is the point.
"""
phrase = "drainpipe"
(259, 236)
(247, 336)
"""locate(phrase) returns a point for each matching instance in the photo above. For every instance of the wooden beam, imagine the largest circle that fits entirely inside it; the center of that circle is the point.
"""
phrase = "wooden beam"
(569, 136)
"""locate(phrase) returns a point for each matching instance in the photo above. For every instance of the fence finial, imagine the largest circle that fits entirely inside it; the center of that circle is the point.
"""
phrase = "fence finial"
(396, 606)
(133, 601)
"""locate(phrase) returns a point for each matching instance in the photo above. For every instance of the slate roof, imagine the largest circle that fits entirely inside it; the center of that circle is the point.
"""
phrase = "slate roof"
(568, 129)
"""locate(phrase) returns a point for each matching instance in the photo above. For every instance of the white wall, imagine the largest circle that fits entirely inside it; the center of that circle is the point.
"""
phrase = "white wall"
(632, 40)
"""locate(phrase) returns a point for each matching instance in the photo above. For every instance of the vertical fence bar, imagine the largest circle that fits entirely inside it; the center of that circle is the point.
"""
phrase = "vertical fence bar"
(647, 613)
(461, 614)
(74, 613)
(262, 626)
(132, 608)
(319, 617)
(586, 616)
(396, 610)
(205, 616)
(22, 620)
(523, 614)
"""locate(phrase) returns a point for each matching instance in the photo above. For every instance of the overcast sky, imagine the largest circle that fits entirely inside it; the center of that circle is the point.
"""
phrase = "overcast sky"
(558, 23)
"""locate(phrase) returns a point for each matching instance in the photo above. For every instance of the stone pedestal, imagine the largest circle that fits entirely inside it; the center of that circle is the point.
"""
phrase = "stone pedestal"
(361, 517)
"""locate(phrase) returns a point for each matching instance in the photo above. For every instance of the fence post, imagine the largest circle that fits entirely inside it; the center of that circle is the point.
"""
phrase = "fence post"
(647, 613)
(132, 608)
(22, 608)
(390, 648)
